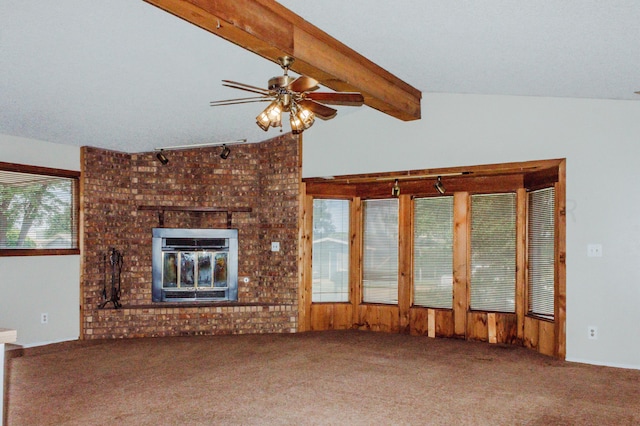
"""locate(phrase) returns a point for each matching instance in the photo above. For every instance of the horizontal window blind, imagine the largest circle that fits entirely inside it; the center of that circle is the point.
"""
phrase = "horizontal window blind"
(330, 251)
(493, 252)
(433, 252)
(541, 234)
(37, 211)
(380, 251)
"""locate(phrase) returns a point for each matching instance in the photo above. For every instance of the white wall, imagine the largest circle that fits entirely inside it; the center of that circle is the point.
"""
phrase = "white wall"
(600, 140)
(32, 285)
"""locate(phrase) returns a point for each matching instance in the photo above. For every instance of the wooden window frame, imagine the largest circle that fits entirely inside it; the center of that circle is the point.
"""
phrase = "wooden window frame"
(53, 172)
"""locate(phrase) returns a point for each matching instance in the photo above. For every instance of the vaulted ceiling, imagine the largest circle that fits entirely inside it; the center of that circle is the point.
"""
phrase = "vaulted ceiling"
(126, 75)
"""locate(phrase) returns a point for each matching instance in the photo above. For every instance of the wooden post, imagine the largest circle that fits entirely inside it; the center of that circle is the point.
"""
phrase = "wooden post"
(521, 261)
(355, 259)
(405, 272)
(461, 236)
(305, 224)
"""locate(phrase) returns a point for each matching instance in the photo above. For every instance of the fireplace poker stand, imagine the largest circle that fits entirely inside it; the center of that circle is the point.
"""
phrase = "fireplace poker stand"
(115, 263)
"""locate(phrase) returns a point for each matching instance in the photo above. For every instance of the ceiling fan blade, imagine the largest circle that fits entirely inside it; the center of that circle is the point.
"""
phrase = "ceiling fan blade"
(232, 102)
(303, 84)
(259, 92)
(337, 98)
(321, 111)
(248, 86)
(241, 99)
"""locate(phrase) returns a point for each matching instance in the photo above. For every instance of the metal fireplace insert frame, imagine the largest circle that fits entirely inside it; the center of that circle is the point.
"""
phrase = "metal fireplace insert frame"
(193, 265)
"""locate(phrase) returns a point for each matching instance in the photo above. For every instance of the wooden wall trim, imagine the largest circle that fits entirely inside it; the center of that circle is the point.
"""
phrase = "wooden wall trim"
(560, 309)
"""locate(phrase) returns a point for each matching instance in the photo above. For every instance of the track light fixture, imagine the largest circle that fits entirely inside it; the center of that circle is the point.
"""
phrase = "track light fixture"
(395, 190)
(439, 186)
(162, 158)
(225, 152)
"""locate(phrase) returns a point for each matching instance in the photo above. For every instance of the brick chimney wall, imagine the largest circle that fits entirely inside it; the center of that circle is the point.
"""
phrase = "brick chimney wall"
(263, 176)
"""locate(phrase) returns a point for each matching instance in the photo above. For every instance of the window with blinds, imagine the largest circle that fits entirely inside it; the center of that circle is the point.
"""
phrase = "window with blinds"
(330, 251)
(380, 251)
(433, 252)
(37, 211)
(493, 252)
(541, 253)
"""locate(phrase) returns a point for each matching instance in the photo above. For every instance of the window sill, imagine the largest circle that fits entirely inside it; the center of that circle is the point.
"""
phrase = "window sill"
(38, 252)
(540, 318)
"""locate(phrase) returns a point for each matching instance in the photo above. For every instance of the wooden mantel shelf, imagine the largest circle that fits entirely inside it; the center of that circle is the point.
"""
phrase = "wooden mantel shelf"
(228, 210)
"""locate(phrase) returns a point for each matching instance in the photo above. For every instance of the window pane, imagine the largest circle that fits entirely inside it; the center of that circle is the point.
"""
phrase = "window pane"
(380, 257)
(330, 252)
(433, 252)
(541, 252)
(37, 211)
(493, 252)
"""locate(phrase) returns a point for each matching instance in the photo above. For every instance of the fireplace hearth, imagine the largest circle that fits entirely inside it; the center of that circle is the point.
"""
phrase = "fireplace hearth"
(193, 265)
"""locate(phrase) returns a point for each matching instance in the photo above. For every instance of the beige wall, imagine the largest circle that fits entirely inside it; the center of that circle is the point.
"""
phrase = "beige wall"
(32, 285)
(599, 138)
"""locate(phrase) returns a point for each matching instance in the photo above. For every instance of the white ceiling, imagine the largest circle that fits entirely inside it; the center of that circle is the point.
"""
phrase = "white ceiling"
(124, 75)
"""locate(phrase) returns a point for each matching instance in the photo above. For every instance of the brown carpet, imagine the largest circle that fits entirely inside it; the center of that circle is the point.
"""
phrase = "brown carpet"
(318, 378)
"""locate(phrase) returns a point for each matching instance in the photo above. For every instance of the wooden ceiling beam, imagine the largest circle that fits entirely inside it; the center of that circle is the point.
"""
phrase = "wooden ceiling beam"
(270, 30)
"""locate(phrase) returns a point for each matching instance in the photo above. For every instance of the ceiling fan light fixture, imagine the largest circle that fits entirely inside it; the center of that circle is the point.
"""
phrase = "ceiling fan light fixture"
(300, 119)
(295, 95)
(296, 124)
(306, 116)
(271, 116)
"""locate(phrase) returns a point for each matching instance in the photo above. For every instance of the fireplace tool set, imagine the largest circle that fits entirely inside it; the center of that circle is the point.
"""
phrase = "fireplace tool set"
(112, 295)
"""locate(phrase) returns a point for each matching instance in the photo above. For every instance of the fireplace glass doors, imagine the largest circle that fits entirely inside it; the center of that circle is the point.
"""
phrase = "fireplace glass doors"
(195, 265)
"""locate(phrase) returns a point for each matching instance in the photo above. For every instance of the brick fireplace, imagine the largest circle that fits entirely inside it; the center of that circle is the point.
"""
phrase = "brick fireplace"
(258, 182)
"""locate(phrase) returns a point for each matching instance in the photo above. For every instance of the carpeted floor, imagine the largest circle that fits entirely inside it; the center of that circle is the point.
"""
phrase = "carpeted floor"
(350, 377)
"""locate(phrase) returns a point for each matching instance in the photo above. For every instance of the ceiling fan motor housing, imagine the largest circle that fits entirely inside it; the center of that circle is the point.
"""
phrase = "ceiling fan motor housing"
(280, 81)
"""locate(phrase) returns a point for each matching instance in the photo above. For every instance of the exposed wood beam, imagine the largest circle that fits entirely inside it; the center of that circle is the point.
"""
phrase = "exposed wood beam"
(270, 30)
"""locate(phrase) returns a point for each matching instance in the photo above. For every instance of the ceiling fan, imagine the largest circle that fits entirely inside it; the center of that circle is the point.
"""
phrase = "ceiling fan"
(297, 96)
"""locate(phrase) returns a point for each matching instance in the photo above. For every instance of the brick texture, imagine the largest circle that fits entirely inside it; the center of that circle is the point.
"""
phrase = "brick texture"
(263, 176)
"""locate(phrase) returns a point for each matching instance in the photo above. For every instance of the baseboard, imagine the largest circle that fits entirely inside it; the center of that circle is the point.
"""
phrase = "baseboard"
(604, 364)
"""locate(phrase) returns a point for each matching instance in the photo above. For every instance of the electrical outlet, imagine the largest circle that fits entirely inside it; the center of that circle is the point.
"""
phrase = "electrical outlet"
(44, 318)
(594, 250)
(592, 332)
(275, 246)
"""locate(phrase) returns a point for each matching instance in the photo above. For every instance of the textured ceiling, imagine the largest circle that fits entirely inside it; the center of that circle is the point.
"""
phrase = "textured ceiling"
(124, 75)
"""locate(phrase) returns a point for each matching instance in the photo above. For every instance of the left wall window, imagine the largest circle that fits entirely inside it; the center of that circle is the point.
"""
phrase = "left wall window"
(330, 261)
(38, 210)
